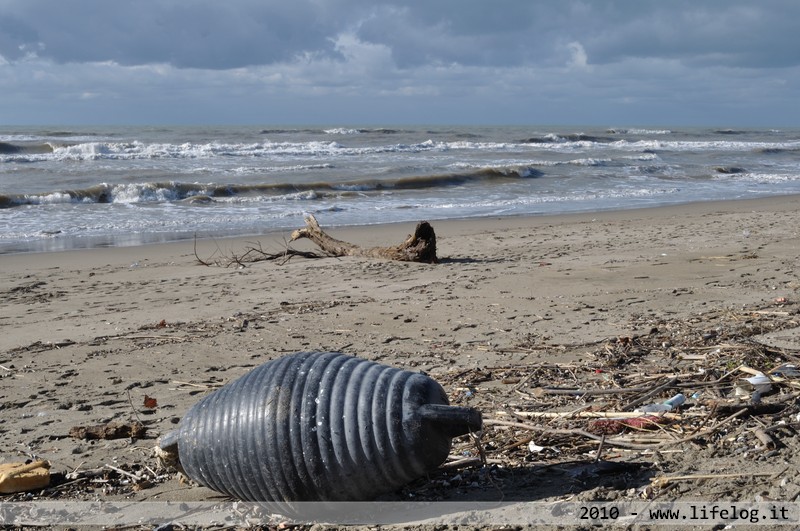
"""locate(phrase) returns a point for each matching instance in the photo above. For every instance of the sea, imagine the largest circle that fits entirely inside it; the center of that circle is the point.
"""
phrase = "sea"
(80, 187)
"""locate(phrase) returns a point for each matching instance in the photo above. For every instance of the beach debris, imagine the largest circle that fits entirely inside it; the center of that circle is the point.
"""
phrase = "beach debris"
(110, 430)
(531, 398)
(535, 448)
(594, 406)
(150, 402)
(766, 439)
(418, 247)
(23, 477)
(663, 481)
(663, 407)
(341, 428)
(615, 426)
(785, 371)
(252, 254)
(759, 383)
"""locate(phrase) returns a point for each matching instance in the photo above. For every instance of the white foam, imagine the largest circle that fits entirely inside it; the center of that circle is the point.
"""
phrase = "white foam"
(760, 178)
(588, 162)
(54, 198)
(143, 193)
(342, 131)
(701, 145)
(635, 131)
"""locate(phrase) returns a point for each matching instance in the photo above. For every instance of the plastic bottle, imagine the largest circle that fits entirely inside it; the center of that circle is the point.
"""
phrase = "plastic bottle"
(667, 405)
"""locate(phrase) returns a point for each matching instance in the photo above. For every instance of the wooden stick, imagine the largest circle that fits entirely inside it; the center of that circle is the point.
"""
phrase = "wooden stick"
(468, 461)
(765, 438)
(533, 427)
(124, 473)
(586, 392)
(584, 414)
(621, 444)
(599, 449)
(666, 480)
(201, 386)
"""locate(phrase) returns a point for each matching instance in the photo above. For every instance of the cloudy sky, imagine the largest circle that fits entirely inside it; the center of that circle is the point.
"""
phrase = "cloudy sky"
(570, 62)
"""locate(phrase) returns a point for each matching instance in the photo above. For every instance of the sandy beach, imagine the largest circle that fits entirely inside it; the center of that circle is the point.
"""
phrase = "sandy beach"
(517, 306)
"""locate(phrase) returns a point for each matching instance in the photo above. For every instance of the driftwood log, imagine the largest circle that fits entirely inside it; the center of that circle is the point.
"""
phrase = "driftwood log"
(418, 247)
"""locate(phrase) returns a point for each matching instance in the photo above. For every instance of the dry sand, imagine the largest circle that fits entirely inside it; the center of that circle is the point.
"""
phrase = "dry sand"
(520, 302)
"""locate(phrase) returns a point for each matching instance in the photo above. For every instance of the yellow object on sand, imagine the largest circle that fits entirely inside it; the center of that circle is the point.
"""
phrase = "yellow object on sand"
(21, 477)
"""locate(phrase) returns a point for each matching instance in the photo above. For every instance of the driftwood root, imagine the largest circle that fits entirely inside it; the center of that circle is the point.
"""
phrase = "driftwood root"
(418, 247)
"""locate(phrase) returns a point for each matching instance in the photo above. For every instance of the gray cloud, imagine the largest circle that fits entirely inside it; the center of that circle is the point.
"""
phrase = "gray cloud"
(219, 35)
(184, 34)
(505, 60)
(744, 34)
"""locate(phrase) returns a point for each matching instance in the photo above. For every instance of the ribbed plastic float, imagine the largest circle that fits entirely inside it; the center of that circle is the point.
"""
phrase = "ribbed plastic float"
(315, 426)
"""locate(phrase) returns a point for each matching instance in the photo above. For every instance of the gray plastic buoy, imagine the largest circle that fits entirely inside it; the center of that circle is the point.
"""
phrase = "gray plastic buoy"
(315, 426)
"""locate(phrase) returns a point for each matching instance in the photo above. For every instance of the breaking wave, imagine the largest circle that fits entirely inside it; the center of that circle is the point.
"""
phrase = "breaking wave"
(201, 193)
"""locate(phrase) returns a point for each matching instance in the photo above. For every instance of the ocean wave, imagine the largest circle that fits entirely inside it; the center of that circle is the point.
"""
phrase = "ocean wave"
(259, 170)
(634, 131)
(343, 131)
(774, 150)
(530, 166)
(291, 131)
(136, 150)
(509, 204)
(590, 162)
(332, 131)
(643, 157)
(705, 145)
(758, 178)
(361, 131)
(170, 191)
(8, 148)
(730, 132)
(553, 138)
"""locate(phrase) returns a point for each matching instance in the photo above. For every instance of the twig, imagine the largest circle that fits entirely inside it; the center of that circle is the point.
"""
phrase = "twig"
(252, 254)
(201, 261)
(705, 420)
(586, 392)
(621, 444)
(584, 414)
(581, 433)
(666, 480)
(476, 437)
(134, 477)
(61, 486)
(135, 413)
(179, 339)
(201, 386)
(461, 463)
(599, 449)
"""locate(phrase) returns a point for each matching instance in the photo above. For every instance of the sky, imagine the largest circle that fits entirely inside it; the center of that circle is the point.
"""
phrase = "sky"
(570, 62)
